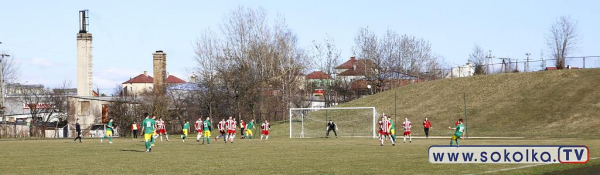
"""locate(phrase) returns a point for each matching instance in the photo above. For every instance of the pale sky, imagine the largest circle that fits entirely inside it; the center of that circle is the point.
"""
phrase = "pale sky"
(41, 35)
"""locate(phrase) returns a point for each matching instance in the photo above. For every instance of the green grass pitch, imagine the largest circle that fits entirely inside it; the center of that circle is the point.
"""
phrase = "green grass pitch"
(280, 155)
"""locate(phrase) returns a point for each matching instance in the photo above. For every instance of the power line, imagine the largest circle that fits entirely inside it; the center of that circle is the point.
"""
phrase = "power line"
(75, 55)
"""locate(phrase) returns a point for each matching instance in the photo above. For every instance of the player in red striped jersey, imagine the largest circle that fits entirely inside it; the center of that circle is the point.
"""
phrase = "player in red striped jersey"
(265, 130)
(162, 129)
(385, 130)
(198, 126)
(407, 125)
(231, 125)
(379, 135)
(242, 127)
(221, 126)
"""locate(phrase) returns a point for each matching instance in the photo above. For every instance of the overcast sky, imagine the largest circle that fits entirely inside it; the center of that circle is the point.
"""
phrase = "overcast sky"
(41, 35)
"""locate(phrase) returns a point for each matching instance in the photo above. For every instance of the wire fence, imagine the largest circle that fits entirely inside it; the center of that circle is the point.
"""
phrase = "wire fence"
(511, 65)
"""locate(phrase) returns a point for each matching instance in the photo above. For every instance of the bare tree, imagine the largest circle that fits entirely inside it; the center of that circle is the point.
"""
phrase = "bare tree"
(124, 108)
(248, 62)
(367, 47)
(10, 69)
(477, 57)
(393, 54)
(10, 74)
(43, 104)
(329, 57)
(563, 39)
(327, 53)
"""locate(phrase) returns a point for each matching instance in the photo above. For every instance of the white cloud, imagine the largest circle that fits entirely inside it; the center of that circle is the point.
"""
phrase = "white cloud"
(41, 62)
(108, 79)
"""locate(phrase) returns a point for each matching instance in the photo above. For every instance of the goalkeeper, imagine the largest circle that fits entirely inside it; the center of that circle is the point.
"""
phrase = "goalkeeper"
(331, 127)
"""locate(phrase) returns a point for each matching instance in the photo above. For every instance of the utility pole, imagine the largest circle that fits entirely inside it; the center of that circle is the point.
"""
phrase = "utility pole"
(489, 57)
(5, 128)
(543, 63)
(503, 68)
(465, 104)
(395, 114)
(527, 67)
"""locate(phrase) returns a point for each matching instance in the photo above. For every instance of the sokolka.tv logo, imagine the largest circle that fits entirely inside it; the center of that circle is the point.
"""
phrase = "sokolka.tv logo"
(503, 154)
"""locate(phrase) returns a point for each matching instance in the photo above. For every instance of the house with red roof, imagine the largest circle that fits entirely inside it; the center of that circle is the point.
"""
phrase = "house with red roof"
(145, 83)
(319, 79)
(356, 69)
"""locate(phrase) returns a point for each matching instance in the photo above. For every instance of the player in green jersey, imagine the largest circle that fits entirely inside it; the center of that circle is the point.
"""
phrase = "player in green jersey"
(186, 128)
(249, 127)
(153, 133)
(392, 129)
(109, 132)
(207, 127)
(460, 128)
(148, 126)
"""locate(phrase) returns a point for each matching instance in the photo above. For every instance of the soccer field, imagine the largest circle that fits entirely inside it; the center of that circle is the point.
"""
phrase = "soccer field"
(279, 155)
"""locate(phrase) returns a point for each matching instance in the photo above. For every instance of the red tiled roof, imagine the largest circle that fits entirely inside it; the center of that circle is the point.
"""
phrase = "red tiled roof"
(174, 80)
(348, 64)
(140, 79)
(359, 71)
(148, 79)
(317, 75)
(360, 67)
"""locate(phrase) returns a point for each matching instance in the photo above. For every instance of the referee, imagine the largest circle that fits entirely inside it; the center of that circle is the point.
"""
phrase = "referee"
(331, 127)
(78, 130)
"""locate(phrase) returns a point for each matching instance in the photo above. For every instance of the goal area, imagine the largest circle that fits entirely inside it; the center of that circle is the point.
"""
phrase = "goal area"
(350, 121)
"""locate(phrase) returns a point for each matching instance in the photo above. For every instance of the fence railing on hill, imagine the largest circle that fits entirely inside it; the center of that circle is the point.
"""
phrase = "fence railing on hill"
(510, 65)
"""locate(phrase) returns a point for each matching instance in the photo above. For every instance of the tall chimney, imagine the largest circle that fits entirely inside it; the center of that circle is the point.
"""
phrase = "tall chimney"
(84, 57)
(83, 21)
(160, 73)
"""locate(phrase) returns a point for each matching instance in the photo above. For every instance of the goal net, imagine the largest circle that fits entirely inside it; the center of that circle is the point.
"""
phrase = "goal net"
(350, 121)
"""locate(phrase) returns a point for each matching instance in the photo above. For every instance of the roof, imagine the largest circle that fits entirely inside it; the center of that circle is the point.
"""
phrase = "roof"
(353, 61)
(356, 67)
(143, 78)
(348, 64)
(359, 71)
(173, 79)
(317, 75)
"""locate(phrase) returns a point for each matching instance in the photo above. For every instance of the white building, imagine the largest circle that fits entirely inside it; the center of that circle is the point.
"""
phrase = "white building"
(145, 83)
(462, 71)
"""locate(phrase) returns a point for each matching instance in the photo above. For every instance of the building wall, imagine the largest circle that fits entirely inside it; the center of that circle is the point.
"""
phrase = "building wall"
(87, 116)
(462, 71)
(348, 79)
(137, 88)
(84, 64)
(321, 83)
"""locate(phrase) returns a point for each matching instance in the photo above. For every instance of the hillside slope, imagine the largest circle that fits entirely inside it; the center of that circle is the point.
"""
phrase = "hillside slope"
(564, 103)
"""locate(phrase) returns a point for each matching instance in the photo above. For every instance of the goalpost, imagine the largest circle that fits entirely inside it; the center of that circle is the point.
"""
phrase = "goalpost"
(351, 121)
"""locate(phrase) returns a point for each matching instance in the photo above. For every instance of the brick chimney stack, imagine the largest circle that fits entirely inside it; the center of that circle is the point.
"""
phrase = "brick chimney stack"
(160, 73)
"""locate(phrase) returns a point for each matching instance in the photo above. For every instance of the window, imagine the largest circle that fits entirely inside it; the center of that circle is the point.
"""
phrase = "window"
(85, 108)
(104, 113)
